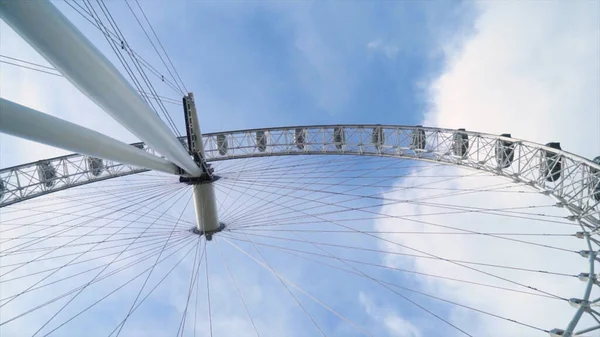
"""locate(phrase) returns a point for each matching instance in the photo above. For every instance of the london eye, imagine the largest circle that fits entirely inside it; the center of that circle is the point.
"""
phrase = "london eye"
(311, 229)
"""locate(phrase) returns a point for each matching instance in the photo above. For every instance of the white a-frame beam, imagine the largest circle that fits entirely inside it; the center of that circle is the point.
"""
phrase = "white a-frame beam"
(23, 122)
(47, 30)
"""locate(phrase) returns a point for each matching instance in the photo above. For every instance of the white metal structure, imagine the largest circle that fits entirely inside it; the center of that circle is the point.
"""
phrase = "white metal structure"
(23, 122)
(575, 188)
(63, 45)
(573, 182)
(205, 203)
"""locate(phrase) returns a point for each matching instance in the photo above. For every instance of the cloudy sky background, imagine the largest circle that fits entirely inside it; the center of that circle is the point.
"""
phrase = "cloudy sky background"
(531, 69)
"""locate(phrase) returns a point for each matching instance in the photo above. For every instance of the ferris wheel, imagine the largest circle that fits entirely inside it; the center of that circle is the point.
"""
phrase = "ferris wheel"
(293, 219)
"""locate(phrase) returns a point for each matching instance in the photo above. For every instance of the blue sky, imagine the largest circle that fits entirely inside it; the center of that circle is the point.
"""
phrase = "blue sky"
(267, 63)
(253, 64)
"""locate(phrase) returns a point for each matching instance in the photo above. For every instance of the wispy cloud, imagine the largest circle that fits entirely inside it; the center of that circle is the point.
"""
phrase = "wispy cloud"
(537, 78)
(387, 49)
(393, 323)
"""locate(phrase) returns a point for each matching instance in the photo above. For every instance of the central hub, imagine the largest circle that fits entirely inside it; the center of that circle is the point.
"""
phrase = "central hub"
(209, 233)
(203, 179)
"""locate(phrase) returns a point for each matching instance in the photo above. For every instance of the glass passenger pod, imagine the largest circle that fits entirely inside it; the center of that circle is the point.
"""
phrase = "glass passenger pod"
(378, 137)
(46, 174)
(261, 141)
(418, 139)
(551, 165)
(192, 145)
(95, 166)
(460, 143)
(2, 189)
(183, 143)
(595, 181)
(222, 144)
(339, 137)
(300, 138)
(505, 151)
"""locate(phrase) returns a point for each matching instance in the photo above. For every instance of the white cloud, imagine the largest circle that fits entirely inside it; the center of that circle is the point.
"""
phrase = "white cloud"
(400, 327)
(388, 49)
(537, 311)
(393, 323)
(374, 44)
(531, 69)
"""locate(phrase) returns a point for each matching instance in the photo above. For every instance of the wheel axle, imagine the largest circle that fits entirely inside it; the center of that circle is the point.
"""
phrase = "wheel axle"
(208, 234)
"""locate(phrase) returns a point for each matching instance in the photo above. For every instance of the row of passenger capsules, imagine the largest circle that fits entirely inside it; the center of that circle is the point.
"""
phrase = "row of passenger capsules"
(504, 149)
(550, 166)
(300, 135)
(48, 175)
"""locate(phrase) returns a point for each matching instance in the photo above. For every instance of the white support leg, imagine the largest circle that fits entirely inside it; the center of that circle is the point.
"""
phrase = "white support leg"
(23, 122)
(48, 31)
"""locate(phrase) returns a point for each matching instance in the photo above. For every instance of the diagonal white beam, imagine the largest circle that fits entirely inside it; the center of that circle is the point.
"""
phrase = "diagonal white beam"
(47, 30)
(23, 122)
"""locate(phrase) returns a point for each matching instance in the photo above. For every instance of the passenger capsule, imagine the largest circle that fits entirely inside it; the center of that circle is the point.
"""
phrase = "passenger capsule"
(505, 152)
(460, 143)
(551, 165)
(2, 189)
(261, 141)
(95, 166)
(418, 139)
(595, 186)
(378, 137)
(222, 144)
(46, 174)
(183, 143)
(339, 137)
(300, 138)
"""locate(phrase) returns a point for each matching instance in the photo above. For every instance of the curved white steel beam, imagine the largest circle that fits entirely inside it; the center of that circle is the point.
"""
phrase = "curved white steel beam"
(24, 122)
(69, 51)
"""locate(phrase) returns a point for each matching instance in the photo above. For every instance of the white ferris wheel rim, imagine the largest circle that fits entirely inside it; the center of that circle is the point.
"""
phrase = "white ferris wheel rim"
(479, 152)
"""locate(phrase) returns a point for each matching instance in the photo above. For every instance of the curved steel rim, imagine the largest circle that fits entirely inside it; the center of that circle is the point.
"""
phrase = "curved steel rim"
(574, 189)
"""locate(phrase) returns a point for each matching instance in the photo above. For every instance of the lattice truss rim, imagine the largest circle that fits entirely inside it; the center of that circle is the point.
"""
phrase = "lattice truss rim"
(572, 180)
